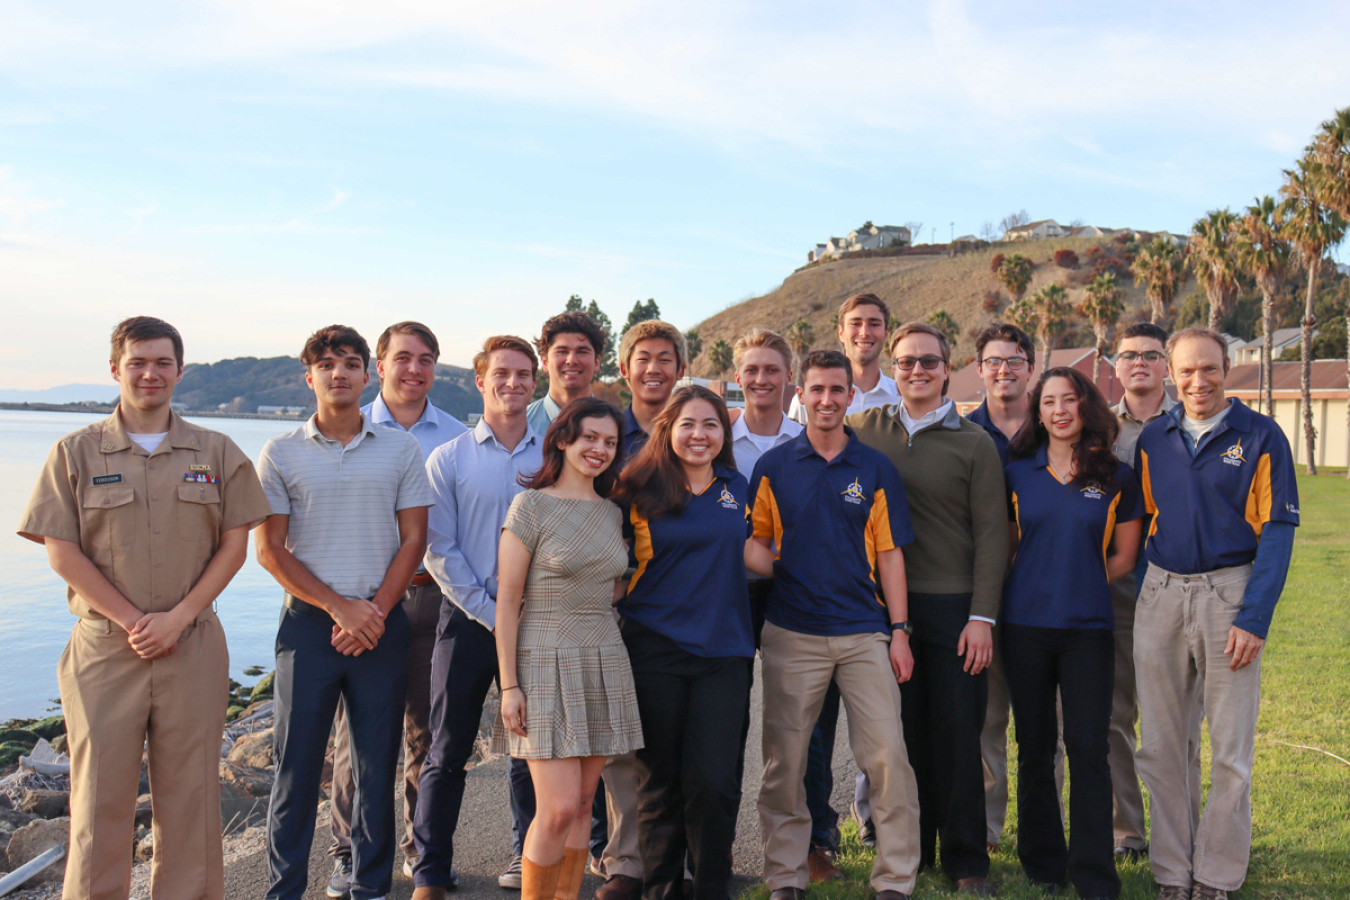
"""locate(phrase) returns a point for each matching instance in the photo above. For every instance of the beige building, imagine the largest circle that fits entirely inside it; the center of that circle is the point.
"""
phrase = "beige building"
(1328, 405)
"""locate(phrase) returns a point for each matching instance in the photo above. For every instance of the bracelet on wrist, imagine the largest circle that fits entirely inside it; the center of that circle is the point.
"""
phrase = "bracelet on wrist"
(514, 687)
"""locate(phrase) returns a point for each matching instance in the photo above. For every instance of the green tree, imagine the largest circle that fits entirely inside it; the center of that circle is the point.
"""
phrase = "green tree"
(1052, 307)
(719, 354)
(641, 312)
(1103, 308)
(1313, 228)
(1015, 275)
(946, 323)
(800, 336)
(694, 342)
(1332, 148)
(1263, 253)
(1214, 263)
(1160, 268)
(608, 367)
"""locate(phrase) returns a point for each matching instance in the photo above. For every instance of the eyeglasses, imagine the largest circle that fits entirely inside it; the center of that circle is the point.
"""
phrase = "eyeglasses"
(1014, 363)
(907, 363)
(1147, 356)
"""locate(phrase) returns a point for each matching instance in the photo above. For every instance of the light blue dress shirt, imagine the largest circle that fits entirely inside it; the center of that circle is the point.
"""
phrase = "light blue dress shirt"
(541, 414)
(434, 428)
(474, 480)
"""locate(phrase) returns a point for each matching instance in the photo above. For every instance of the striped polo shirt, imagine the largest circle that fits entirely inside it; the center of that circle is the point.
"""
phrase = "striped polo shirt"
(342, 501)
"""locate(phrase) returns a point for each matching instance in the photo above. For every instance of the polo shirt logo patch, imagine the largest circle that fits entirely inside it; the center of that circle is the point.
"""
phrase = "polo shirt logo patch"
(727, 501)
(853, 493)
(100, 480)
(1092, 492)
(1233, 455)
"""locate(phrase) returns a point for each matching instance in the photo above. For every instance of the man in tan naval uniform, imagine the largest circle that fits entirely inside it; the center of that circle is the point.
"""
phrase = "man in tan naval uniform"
(146, 518)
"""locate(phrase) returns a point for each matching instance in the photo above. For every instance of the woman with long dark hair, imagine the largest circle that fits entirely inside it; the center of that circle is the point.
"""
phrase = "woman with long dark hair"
(1074, 511)
(686, 621)
(567, 692)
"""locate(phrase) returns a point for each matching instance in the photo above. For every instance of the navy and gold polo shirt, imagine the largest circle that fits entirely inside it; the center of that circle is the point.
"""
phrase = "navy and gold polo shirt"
(1208, 510)
(829, 521)
(1058, 577)
(690, 581)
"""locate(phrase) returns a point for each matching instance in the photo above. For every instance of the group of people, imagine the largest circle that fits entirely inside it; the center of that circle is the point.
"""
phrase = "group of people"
(615, 574)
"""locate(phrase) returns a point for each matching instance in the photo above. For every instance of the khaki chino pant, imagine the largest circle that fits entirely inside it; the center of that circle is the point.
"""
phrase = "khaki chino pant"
(622, 856)
(115, 705)
(1180, 630)
(797, 669)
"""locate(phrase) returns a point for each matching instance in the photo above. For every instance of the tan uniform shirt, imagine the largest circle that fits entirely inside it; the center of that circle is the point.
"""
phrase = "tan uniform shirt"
(1130, 428)
(149, 522)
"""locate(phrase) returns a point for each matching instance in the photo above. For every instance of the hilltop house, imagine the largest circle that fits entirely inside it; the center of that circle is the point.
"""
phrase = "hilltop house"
(1035, 231)
(1240, 351)
(871, 238)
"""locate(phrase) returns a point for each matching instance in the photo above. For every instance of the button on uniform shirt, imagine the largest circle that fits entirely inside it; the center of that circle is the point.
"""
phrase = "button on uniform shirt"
(343, 501)
(746, 446)
(474, 480)
(435, 427)
(1209, 511)
(150, 522)
(883, 394)
(1058, 576)
(829, 521)
(690, 580)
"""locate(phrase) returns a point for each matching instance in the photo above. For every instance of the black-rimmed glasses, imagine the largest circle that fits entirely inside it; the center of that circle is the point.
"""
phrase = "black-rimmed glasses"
(1014, 363)
(907, 363)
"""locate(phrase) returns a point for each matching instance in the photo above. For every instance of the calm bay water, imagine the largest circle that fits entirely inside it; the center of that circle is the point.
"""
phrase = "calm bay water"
(34, 619)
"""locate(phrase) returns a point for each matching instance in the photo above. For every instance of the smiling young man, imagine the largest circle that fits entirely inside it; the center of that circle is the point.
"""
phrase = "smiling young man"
(954, 481)
(348, 526)
(836, 510)
(1219, 482)
(146, 519)
(863, 320)
(570, 347)
(405, 360)
(474, 480)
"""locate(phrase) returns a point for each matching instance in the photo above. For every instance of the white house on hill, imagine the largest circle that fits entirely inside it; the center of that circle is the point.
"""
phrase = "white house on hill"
(1035, 231)
(871, 238)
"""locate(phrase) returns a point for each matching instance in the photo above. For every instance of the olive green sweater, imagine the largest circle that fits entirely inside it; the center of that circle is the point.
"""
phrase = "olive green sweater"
(957, 502)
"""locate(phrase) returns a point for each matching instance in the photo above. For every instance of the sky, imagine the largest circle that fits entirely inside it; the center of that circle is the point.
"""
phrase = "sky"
(256, 169)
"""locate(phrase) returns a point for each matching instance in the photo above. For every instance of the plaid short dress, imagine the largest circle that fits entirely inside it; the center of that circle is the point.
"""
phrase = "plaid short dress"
(570, 660)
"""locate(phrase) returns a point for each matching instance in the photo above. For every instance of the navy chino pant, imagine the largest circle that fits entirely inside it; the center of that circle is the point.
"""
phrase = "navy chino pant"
(310, 677)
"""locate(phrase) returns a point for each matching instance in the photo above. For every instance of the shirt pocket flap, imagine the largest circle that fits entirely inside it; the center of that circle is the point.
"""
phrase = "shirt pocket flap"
(199, 493)
(108, 497)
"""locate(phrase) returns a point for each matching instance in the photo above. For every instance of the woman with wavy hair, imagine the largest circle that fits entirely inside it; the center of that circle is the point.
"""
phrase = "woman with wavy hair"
(567, 692)
(686, 621)
(1075, 519)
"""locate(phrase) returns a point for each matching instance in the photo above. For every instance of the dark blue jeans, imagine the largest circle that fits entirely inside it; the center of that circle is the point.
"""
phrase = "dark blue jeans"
(819, 779)
(310, 677)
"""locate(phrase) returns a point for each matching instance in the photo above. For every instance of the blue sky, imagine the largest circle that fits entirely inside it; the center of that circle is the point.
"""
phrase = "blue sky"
(255, 169)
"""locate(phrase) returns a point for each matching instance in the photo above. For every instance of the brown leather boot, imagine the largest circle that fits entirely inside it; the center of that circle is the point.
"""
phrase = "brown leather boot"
(538, 882)
(572, 871)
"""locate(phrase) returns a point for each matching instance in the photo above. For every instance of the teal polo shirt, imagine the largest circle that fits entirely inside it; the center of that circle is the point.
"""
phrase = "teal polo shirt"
(690, 580)
(1058, 577)
(829, 521)
(1209, 509)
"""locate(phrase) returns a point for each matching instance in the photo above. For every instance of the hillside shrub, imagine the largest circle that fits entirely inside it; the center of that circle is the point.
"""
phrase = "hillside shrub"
(1066, 259)
(993, 302)
(996, 263)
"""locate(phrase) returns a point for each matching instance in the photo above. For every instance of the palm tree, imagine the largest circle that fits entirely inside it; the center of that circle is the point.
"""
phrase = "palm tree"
(1263, 253)
(946, 323)
(1160, 268)
(1332, 146)
(1051, 304)
(800, 336)
(1312, 229)
(1211, 252)
(1015, 275)
(1103, 307)
(720, 355)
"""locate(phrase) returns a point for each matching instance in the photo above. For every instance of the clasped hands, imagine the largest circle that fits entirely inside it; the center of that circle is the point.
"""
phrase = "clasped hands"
(358, 626)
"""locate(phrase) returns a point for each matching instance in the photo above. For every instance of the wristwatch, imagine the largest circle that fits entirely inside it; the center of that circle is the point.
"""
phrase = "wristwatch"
(902, 626)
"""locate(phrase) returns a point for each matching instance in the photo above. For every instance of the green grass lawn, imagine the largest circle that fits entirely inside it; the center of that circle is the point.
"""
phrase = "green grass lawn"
(1300, 797)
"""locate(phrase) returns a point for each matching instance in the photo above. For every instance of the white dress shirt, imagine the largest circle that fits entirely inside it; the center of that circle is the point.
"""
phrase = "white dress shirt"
(746, 446)
(884, 393)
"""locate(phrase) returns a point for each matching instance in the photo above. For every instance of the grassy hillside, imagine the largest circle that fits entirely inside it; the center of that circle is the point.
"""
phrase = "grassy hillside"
(913, 287)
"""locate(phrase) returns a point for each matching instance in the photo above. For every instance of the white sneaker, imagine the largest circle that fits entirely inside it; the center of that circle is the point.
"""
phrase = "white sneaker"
(512, 877)
(595, 866)
(409, 863)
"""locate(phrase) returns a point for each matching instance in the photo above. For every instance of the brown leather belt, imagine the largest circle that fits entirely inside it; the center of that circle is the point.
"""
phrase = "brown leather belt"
(421, 579)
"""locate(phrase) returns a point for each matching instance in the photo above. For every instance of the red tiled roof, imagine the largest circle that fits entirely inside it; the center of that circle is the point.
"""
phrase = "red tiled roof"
(1327, 375)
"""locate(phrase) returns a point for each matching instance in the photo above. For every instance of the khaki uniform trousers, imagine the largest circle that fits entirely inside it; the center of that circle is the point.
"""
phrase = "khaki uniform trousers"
(797, 669)
(115, 705)
(621, 856)
(1180, 630)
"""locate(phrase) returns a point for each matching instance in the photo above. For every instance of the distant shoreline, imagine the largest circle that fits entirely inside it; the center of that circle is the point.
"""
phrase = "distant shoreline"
(107, 410)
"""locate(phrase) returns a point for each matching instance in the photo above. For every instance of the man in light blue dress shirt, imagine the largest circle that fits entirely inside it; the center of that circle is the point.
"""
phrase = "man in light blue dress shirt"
(405, 360)
(474, 480)
(570, 348)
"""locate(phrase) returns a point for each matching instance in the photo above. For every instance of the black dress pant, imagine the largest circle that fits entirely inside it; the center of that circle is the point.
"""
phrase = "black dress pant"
(694, 710)
(311, 676)
(1080, 664)
(942, 710)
